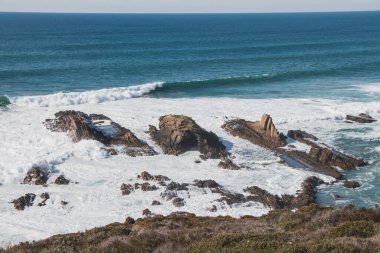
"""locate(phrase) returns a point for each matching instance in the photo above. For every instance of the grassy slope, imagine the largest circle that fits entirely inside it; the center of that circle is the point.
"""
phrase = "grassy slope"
(310, 229)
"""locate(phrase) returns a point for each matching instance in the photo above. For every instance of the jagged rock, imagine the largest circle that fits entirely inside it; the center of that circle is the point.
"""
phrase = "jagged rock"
(232, 198)
(81, 126)
(171, 190)
(37, 176)
(178, 134)
(148, 177)
(129, 220)
(206, 184)
(156, 203)
(320, 158)
(127, 189)
(44, 196)
(361, 118)
(351, 184)
(62, 180)
(178, 202)
(146, 212)
(264, 197)
(146, 187)
(308, 193)
(262, 133)
(228, 164)
(24, 201)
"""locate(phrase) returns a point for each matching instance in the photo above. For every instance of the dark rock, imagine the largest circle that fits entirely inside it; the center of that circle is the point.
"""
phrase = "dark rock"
(264, 197)
(126, 189)
(147, 187)
(81, 126)
(351, 184)
(178, 134)
(197, 161)
(45, 195)
(301, 136)
(24, 201)
(228, 164)
(361, 118)
(178, 202)
(146, 212)
(129, 220)
(64, 203)
(177, 186)
(233, 198)
(62, 180)
(308, 193)
(161, 178)
(206, 184)
(148, 177)
(37, 176)
(156, 203)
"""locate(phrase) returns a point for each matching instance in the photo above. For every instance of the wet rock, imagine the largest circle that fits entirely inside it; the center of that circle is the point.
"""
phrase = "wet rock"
(146, 212)
(206, 184)
(61, 180)
(171, 190)
(361, 118)
(197, 161)
(81, 126)
(156, 203)
(233, 198)
(264, 197)
(301, 136)
(228, 164)
(178, 202)
(129, 220)
(308, 193)
(178, 134)
(44, 196)
(127, 189)
(148, 177)
(37, 176)
(64, 203)
(24, 201)
(146, 187)
(351, 184)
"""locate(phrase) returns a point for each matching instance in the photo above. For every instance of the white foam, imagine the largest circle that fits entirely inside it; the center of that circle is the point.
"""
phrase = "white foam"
(96, 200)
(87, 97)
(373, 88)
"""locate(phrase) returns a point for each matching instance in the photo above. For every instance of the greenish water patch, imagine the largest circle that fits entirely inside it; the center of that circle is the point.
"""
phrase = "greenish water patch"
(4, 101)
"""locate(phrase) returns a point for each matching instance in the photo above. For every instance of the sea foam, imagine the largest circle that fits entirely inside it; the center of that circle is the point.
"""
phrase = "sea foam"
(87, 97)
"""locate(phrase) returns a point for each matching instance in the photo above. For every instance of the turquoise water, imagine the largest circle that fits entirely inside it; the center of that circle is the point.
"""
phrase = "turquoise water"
(239, 55)
(313, 55)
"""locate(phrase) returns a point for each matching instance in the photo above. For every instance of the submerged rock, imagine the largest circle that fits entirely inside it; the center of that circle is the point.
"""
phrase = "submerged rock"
(24, 201)
(351, 184)
(228, 164)
(146, 176)
(81, 126)
(37, 176)
(178, 202)
(4, 101)
(178, 134)
(361, 118)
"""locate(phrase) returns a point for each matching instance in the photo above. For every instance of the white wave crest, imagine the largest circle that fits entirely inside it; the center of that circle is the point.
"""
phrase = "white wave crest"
(87, 97)
(373, 88)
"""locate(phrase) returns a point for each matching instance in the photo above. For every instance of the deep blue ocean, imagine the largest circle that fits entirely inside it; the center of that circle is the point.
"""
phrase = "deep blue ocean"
(237, 55)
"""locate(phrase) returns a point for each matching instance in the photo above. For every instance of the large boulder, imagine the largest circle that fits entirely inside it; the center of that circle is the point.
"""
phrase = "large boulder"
(36, 176)
(178, 134)
(81, 126)
(24, 201)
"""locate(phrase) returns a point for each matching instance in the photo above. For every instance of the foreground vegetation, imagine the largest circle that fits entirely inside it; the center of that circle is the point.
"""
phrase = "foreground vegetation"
(310, 229)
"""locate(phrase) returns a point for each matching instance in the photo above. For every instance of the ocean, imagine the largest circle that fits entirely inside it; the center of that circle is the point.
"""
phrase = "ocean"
(308, 70)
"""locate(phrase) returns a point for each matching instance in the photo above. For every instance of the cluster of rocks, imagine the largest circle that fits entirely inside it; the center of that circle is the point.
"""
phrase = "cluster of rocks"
(320, 158)
(80, 126)
(361, 118)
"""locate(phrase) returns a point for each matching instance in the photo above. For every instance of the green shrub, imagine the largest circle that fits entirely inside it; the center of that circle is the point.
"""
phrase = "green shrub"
(354, 228)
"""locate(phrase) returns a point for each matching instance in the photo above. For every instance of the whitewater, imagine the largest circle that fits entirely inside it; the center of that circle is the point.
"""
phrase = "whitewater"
(94, 197)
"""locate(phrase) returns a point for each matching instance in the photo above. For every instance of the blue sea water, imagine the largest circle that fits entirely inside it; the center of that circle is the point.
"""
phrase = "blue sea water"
(309, 55)
(239, 55)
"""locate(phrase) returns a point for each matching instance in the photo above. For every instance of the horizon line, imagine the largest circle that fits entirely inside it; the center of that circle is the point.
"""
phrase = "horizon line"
(274, 12)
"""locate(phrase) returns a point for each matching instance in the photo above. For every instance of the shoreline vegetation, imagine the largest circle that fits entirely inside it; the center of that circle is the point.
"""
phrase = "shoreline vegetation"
(311, 229)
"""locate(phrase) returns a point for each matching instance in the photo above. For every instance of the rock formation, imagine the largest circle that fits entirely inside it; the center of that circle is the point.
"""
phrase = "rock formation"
(320, 158)
(24, 201)
(37, 176)
(61, 180)
(81, 126)
(178, 134)
(361, 118)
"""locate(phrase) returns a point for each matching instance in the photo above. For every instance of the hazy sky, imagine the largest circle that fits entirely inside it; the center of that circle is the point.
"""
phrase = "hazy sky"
(187, 5)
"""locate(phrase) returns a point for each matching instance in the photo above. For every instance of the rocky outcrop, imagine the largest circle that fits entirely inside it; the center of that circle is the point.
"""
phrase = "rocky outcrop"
(81, 126)
(178, 202)
(319, 158)
(44, 196)
(228, 164)
(148, 177)
(361, 118)
(37, 176)
(126, 189)
(24, 201)
(262, 133)
(178, 134)
(306, 196)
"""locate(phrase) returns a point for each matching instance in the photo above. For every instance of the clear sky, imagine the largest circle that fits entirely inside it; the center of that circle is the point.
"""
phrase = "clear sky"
(148, 6)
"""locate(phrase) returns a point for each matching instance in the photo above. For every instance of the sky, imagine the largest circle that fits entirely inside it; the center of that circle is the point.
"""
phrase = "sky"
(187, 6)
